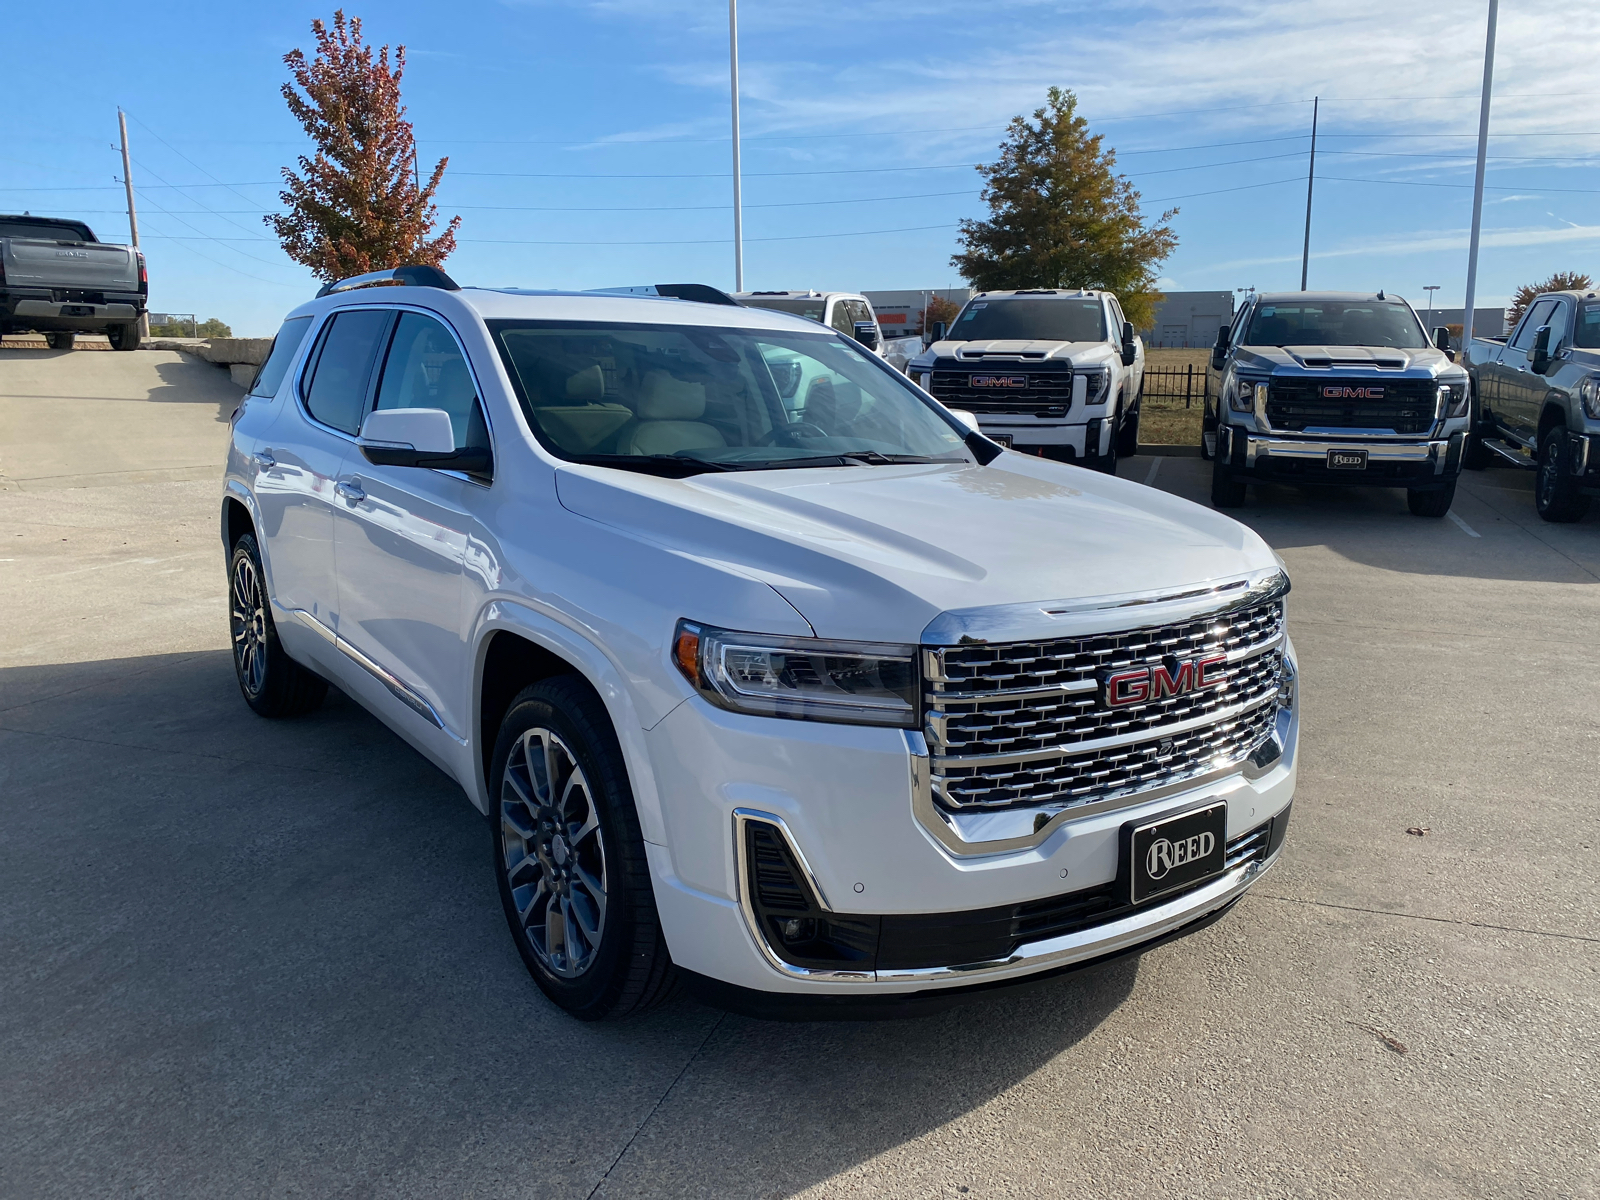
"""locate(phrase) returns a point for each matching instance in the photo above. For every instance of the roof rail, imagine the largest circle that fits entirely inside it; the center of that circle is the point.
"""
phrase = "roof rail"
(701, 293)
(412, 276)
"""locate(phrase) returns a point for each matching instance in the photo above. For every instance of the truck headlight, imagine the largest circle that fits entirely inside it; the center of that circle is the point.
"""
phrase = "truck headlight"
(810, 679)
(1244, 396)
(1589, 395)
(1099, 379)
(1453, 399)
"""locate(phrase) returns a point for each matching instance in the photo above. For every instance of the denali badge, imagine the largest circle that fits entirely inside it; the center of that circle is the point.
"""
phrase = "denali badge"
(999, 381)
(1170, 677)
(1163, 855)
(1336, 392)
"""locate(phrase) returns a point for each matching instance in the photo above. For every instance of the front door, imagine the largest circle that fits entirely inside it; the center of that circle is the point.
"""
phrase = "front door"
(1514, 380)
(402, 535)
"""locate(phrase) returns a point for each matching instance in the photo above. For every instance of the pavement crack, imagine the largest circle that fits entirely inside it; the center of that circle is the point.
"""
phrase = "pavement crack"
(698, 1050)
(1384, 912)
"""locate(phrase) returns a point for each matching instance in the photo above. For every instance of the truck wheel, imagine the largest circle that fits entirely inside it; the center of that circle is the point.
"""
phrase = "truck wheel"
(124, 337)
(1128, 435)
(1431, 504)
(1555, 490)
(570, 859)
(60, 341)
(1226, 491)
(274, 685)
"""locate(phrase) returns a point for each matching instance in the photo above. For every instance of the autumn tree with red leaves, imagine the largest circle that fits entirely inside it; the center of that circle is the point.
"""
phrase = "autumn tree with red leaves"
(356, 206)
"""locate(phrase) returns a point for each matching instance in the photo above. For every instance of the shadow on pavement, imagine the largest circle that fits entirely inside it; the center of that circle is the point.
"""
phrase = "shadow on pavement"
(251, 957)
(191, 381)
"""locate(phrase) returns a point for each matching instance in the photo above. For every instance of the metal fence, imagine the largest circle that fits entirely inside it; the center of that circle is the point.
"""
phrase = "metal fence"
(1174, 384)
(174, 325)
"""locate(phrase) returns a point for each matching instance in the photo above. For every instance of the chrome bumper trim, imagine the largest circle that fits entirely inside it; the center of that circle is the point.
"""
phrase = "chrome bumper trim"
(1280, 447)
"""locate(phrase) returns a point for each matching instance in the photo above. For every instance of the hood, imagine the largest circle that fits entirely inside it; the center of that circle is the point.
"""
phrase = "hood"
(1028, 349)
(875, 553)
(1297, 358)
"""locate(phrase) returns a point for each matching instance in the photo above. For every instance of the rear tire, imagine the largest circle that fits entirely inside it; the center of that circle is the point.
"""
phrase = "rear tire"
(124, 337)
(274, 685)
(58, 340)
(569, 856)
(1433, 503)
(1555, 488)
(1226, 491)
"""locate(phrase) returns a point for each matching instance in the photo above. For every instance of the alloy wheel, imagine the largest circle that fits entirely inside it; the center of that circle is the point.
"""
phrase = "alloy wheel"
(554, 853)
(1549, 472)
(247, 621)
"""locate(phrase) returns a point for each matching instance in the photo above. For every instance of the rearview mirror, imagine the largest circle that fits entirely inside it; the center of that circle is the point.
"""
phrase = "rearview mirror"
(1540, 358)
(416, 437)
(1219, 352)
(1130, 350)
(867, 334)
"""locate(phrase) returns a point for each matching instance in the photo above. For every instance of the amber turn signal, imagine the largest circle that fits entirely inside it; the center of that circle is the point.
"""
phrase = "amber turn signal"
(686, 653)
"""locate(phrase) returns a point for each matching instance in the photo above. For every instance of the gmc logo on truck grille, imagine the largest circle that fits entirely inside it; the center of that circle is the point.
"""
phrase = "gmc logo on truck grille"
(1171, 677)
(999, 381)
(1335, 392)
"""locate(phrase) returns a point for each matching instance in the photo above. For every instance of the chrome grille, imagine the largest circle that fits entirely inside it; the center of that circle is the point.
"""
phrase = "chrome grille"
(1023, 723)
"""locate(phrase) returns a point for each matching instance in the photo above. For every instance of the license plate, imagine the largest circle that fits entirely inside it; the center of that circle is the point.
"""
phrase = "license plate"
(1347, 460)
(1174, 852)
(1003, 438)
(997, 381)
(77, 310)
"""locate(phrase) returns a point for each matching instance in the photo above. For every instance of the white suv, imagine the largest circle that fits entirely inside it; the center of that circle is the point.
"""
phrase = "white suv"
(784, 703)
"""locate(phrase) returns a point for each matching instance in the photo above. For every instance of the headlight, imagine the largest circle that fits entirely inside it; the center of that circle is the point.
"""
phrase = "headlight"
(1099, 378)
(858, 683)
(1453, 399)
(1244, 396)
(1589, 394)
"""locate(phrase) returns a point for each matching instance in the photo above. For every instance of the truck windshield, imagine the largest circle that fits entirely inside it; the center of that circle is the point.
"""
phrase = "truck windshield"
(1336, 323)
(675, 399)
(1586, 334)
(1030, 320)
(812, 307)
(46, 233)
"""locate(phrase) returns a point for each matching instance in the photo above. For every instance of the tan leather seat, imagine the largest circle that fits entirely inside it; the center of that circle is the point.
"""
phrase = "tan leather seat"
(669, 411)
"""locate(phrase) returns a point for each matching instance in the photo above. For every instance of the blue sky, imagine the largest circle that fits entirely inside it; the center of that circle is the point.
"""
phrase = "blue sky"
(588, 139)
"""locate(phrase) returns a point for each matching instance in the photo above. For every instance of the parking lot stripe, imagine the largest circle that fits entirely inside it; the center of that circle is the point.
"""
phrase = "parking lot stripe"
(1465, 528)
(1151, 477)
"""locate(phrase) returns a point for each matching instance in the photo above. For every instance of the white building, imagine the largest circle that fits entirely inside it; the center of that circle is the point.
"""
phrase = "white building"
(1189, 319)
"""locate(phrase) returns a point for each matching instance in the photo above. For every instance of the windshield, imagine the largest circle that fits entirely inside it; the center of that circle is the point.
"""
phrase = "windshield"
(1030, 320)
(1336, 323)
(666, 398)
(1586, 335)
(45, 233)
(807, 306)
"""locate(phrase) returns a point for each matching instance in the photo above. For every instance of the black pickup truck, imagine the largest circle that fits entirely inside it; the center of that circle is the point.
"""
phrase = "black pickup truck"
(1536, 401)
(57, 278)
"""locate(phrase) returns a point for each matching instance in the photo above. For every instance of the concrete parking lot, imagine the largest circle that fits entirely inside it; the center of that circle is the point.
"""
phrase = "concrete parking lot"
(247, 958)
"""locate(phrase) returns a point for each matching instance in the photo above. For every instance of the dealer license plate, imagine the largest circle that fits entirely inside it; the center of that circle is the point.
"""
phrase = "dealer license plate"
(1347, 460)
(1174, 852)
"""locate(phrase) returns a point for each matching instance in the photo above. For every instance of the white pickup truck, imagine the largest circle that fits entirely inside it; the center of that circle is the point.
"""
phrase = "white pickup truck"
(1051, 371)
(57, 279)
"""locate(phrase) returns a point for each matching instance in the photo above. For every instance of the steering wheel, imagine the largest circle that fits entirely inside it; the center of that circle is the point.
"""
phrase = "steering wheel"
(789, 433)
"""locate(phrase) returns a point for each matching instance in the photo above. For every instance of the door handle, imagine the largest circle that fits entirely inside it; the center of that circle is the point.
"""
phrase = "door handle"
(351, 490)
(264, 460)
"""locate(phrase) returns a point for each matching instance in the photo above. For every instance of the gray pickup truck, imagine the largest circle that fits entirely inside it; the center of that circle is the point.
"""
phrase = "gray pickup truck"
(1538, 401)
(1334, 388)
(56, 278)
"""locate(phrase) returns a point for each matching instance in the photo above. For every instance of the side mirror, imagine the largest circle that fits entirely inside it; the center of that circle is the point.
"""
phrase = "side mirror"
(867, 334)
(1441, 342)
(1130, 350)
(934, 334)
(1219, 352)
(969, 419)
(1539, 360)
(416, 437)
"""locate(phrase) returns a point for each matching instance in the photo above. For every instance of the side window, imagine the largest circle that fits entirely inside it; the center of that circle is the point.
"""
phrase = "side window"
(1116, 320)
(1560, 326)
(425, 369)
(1538, 315)
(1237, 328)
(271, 374)
(842, 320)
(336, 390)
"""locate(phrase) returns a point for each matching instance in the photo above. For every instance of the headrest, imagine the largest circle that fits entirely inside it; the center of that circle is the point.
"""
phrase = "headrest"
(587, 384)
(663, 398)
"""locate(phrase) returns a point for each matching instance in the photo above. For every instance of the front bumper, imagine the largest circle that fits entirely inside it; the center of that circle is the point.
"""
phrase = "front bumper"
(850, 805)
(1292, 458)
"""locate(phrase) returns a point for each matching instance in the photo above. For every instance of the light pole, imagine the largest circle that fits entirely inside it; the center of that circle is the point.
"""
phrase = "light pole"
(1311, 178)
(1430, 288)
(733, 84)
(1477, 187)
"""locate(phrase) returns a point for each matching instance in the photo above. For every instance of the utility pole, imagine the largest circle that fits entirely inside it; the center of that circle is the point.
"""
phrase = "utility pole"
(738, 208)
(1311, 178)
(1430, 288)
(1477, 187)
(133, 215)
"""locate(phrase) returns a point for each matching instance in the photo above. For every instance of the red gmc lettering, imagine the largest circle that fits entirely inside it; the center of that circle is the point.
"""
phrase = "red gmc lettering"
(1164, 683)
(1128, 687)
(1209, 671)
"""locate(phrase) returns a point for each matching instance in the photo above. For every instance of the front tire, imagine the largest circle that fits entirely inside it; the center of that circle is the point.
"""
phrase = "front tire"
(569, 857)
(274, 685)
(1226, 491)
(1433, 503)
(58, 340)
(1555, 490)
(1128, 435)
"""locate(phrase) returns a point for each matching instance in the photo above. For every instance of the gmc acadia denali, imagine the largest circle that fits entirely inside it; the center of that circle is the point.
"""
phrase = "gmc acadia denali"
(779, 701)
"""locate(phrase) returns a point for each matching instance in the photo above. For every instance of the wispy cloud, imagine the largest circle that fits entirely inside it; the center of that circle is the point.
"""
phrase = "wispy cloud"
(1428, 242)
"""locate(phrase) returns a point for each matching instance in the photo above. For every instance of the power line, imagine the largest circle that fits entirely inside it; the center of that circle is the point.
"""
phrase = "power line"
(1487, 187)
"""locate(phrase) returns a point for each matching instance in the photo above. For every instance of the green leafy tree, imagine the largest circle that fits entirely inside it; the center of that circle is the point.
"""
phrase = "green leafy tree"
(356, 205)
(213, 328)
(1061, 216)
(1561, 281)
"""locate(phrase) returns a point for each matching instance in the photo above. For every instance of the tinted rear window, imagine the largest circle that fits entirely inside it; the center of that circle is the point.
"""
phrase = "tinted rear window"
(48, 233)
(812, 307)
(284, 346)
(1030, 320)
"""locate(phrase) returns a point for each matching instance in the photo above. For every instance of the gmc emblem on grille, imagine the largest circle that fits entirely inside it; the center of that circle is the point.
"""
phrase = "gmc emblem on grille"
(1334, 392)
(999, 381)
(1170, 677)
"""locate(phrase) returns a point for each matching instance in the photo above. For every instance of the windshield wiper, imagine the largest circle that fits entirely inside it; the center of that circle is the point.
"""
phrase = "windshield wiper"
(845, 458)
